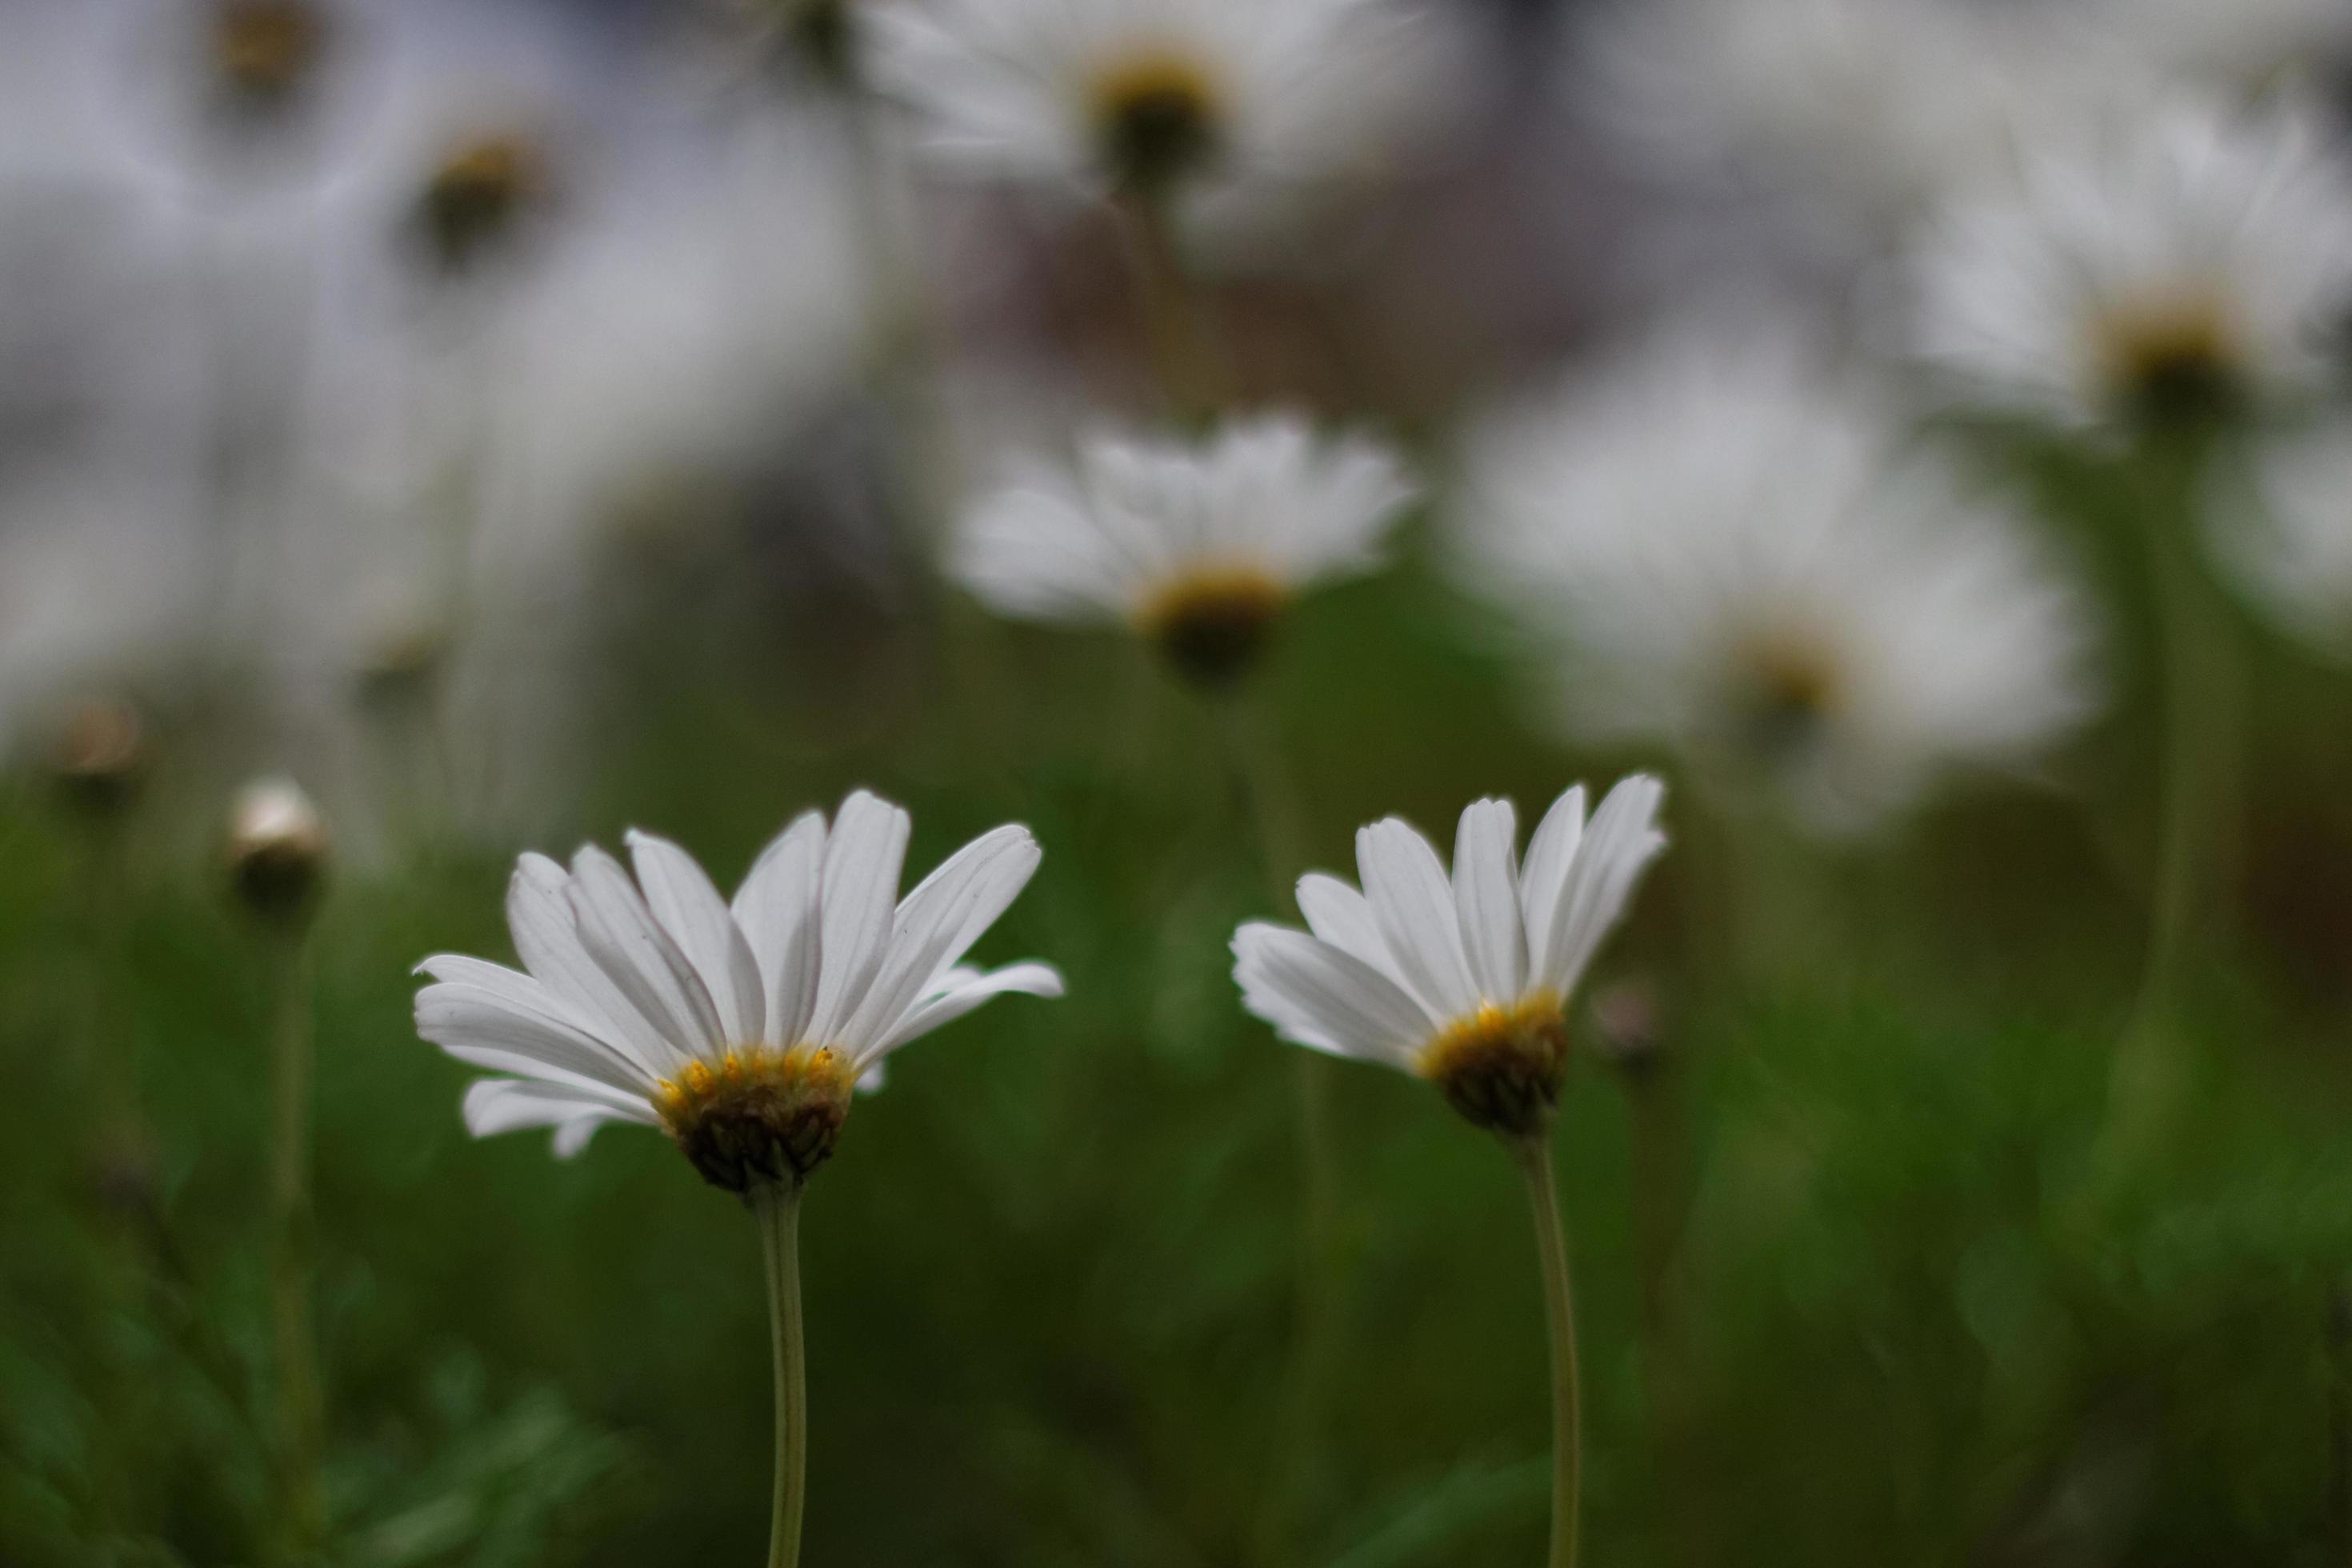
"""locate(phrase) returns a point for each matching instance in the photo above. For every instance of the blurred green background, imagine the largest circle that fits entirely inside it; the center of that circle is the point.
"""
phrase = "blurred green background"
(1848, 1290)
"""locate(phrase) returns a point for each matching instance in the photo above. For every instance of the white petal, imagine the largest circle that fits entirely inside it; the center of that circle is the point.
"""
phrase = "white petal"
(1544, 879)
(620, 934)
(1622, 840)
(691, 910)
(863, 857)
(547, 938)
(1339, 915)
(968, 991)
(460, 1016)
(1413, 903)
(1316, 995)
(777, 906)
(1487, 896)
(939, 921)
(496, 1105)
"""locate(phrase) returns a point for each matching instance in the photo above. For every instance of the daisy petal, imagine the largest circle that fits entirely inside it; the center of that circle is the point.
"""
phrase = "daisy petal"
(459, 1016)
(1544, 878)
(777, 908)
(937, 922)
(1413, 904)
(1339, 914)
(863, 857)
(1316, 995)
(1622, 842)
(620, 934)
(696, 918)
(963, 994)
(547, 939)
(1487, 896)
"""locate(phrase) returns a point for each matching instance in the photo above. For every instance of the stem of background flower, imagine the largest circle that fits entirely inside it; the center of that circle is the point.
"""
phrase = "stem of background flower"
(1559, 1305)
(778, 1207)
(2144, 1080)
(1187, 352)
(118, 1133)
(292, 1233)
(1271, 803)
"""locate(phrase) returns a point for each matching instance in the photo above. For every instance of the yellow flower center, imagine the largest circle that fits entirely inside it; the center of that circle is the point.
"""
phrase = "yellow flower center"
(1157, 119)
(759, 1116)
(1501, 1067)
(264, 48)
(1212, 622)
(2170, 358)
(1788, 682)
(478, 196)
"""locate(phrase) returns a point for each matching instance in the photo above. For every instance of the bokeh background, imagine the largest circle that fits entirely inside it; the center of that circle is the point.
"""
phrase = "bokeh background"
(600, 483)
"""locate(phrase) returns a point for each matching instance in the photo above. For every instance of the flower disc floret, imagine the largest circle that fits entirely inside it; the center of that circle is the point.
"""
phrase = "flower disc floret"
(758, 1115)
(1501, 1067)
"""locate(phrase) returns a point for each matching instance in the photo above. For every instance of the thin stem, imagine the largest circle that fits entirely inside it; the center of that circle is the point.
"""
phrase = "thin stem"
(1186, 352)
(291, 1234)
(1559, 1307)
(1271, 803)
(778, 1208)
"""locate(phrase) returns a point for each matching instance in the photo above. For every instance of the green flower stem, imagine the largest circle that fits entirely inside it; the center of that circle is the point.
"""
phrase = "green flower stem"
(1560, 1306)
(292, 1234)
(1271, 803)
(1186, 352)
(778, 1209)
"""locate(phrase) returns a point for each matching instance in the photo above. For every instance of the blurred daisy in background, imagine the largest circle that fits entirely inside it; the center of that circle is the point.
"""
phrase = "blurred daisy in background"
(1462, 980)
(1725, 551)
(2243, 43)
(738, 1029)
(1200, 547)
(1161, 99)
(1864, 108)
(2282, 524)
(2169, 270)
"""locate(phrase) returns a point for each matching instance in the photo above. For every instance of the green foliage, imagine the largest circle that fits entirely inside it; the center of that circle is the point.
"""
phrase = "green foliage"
(1856, 1282)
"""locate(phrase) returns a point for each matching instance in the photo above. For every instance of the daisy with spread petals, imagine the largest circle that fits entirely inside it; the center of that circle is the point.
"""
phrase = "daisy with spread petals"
(740, 1029)
(2187, 267)
(1199, 548)
(1720, 544)
(1154, 99)
(1464, 979)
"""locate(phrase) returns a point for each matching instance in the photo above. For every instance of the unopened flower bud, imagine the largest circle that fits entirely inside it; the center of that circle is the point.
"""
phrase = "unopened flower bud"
(1628, 1027)
(99, 757)
(276, 849)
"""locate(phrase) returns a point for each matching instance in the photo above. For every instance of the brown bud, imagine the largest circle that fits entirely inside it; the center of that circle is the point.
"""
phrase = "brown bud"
(278, 849)
(99, 757)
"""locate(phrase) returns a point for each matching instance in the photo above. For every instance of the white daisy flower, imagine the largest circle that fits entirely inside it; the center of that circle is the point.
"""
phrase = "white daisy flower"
(740, 1029)
(1875, 104)
(1725, 551)
(1149, 97)
(1199, 548)
(2283, 527)
(2160, 271)
(1463, 981)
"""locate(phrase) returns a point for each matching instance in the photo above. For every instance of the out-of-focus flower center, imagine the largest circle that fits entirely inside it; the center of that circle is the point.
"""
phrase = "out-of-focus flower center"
(1213, 622)
(477, 197)
(101, 754)
(1501, 1067)
(761, 1116)
(264, 50)
(2170, 359)
(1157, 119)
(1787, 683)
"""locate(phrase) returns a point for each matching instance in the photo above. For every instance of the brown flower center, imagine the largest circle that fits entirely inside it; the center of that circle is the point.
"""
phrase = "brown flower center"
(1501, 1067)
(2172, 359)
(266, 49)
(1788, 684)
(761, 1116)
(477, 197)
(1157, 121)
(1214, 623)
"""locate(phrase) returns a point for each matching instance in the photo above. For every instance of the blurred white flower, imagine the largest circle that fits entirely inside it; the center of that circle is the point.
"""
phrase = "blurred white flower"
(2242, 43)
(1725, 551)
(1463, 981)
(102, 594)
(2283, 526)
(1150, 97)
(1199, 548)
(740, 1030)
(2171, 267)
(1868, 105)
